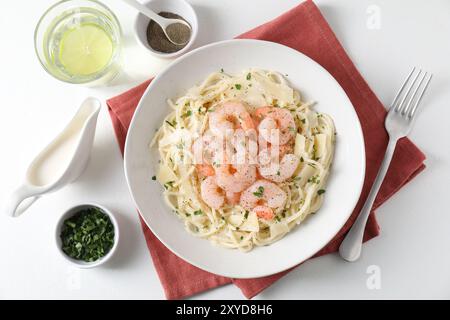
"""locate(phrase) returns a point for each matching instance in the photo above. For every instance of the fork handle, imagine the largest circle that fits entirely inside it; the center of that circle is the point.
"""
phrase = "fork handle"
(350, 248)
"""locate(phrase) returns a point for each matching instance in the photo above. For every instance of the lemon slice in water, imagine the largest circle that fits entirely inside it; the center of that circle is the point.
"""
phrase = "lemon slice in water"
(85, 50)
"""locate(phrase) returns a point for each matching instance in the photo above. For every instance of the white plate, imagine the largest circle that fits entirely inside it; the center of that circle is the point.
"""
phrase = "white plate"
(313, 82)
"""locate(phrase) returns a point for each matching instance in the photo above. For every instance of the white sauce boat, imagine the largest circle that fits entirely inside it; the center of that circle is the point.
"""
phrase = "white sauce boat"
(61, 162)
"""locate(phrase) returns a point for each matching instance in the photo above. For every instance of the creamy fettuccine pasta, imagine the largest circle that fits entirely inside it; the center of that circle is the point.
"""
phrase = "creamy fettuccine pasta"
(243, 159)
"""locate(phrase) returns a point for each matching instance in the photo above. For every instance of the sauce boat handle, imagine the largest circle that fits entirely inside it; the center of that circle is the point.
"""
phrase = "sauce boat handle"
(13, 206)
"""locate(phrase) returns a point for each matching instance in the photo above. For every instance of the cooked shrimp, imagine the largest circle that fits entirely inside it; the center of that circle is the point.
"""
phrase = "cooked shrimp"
(206, 148)
(271, 168)
(228, 117)
(205, 170)
(233, 197)
(263, 193)
(264, 212)
(211, 193)
(203, 153)
(244, 147)
(235, 178)
(282, 149)
(277, 125)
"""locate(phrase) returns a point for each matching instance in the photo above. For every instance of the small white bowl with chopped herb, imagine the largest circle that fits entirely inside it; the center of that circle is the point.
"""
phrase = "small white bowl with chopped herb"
(87, 235)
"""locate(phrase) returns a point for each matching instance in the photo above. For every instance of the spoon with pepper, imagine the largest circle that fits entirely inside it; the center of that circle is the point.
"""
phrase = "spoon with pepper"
(177, 31)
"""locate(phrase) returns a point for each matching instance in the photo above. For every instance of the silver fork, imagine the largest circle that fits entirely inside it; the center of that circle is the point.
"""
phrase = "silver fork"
(399, 121)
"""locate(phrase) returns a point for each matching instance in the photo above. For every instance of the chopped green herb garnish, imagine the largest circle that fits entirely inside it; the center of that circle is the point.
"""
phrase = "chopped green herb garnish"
(242, 238)
(301, 159)
(172, 124)
(70, 224)
(198, 213)
(249, 76)
(180, 145)
(221, 70)
(303, 121)
(277, 218)
(315, 153)
(246, 214)
(238, 86)
(320, 191)
(187, 114)
(260, 192)
(188, 214)
(169, 184)
(88, 235)
(314, 179)
(154, 178)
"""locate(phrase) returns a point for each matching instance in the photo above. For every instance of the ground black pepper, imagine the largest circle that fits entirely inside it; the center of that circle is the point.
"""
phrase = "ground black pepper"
(156, 38)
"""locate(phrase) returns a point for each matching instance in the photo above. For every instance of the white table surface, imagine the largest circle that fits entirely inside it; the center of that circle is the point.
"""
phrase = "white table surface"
(412, 255)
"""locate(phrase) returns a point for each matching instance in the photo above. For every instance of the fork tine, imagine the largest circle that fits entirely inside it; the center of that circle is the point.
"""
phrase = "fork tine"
(401, 89)
(406, 109)
(401, 106)
(413, 110)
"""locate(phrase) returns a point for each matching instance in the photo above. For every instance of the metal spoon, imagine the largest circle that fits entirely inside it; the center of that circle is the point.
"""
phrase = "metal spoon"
(164, 23)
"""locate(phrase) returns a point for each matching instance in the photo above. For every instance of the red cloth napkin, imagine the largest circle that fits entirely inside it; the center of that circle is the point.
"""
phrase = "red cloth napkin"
(304, 29)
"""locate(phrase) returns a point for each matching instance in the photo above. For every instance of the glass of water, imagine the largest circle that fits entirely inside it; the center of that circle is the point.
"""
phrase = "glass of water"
(79, 41)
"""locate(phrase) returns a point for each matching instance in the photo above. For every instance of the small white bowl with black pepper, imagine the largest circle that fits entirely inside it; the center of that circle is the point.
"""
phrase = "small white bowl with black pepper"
(87, 235)
(151, 36)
